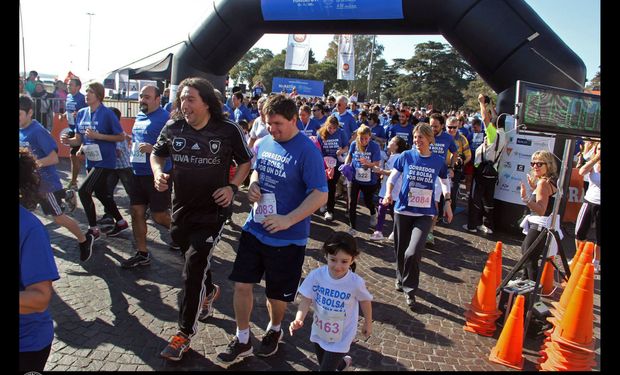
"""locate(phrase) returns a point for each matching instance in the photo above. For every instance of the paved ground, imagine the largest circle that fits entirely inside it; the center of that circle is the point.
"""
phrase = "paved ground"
(108, 318)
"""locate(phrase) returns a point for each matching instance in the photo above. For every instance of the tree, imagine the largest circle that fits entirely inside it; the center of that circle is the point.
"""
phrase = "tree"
(246, 68)
(595, 83)
(470, 94)
(437, 76)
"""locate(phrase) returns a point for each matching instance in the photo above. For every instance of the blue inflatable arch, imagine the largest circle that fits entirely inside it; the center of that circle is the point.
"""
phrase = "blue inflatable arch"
(503, 40)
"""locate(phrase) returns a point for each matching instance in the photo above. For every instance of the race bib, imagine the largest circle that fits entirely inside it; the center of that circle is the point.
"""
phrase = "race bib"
(136, 156)
(92, 152)
(265, 207)
(420, 197)
(328, 325)
(362, 174)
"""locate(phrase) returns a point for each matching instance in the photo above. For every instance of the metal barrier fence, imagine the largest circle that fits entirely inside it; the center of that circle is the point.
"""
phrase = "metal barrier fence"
(46, 108)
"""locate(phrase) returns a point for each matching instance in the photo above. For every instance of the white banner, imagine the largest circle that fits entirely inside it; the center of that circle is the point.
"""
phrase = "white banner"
(297, 52)
(515, 163)
(346, 58)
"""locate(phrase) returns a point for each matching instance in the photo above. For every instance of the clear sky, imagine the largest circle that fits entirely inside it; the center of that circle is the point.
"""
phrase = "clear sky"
(56, 33)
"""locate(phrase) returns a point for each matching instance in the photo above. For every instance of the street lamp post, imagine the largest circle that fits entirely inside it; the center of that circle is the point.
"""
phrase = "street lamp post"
(89, 22)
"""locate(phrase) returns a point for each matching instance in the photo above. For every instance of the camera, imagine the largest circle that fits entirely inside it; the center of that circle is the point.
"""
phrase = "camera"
(487, 100)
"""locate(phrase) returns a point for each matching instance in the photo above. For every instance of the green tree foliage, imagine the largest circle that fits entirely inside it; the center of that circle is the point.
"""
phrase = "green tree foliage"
(436, 75)
(470, 94)
(595, 83)
(249, 65)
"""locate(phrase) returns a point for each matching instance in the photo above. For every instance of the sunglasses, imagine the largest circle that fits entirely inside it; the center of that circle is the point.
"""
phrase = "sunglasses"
(539, 164)
(452, 127)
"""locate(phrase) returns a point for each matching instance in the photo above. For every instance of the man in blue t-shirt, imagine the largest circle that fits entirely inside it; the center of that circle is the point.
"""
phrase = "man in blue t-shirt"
(240, 111)
(149, 122)
(75, 102)
(288, 184)
(403, 129)
(443, 143)
(37, 139)
(345, 118)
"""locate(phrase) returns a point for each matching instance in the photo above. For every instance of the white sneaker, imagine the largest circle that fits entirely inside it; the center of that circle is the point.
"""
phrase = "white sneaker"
(469, 230)
(391, 237)
(373, 220)
(323, 209)
(483, 228)
(377, 235)
(347, 360)
(352, 232)
(328, 216)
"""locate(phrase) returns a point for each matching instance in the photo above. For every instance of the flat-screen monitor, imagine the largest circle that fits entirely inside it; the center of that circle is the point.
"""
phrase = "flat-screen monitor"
(553, 110)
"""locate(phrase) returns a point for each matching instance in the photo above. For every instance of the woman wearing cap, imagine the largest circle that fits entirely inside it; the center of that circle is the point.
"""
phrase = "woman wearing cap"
(333, 144)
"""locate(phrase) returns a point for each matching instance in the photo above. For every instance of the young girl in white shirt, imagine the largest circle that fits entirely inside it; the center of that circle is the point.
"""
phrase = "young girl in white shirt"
(335, 293)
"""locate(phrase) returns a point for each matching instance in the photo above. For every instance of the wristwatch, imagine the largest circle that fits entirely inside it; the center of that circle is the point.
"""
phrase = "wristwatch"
(234, 188)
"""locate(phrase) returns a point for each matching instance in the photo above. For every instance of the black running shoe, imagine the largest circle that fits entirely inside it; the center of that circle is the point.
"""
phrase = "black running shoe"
(235, 352)
(86, 247)
(137, 260)
(269, 344)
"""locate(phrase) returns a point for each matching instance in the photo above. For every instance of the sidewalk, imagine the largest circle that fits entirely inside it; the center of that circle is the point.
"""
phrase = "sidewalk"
(109, 319)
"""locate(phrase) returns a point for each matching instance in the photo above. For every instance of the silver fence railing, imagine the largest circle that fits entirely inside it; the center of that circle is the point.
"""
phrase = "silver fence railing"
(46, 109)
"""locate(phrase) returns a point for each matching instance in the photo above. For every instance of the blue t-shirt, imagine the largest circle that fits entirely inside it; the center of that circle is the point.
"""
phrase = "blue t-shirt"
(378, 131)
(36, 264)
(243, 113)
(405, 132)
(333, 143)
(475, 140)
(443, 143)
(354, 112)
(104, 121)
(417, 192)
(168, 107)
(41, 144)
(364, 176)
(310, 128)
(73, 104)
(347, 122)
(146, 129)
(291, 170)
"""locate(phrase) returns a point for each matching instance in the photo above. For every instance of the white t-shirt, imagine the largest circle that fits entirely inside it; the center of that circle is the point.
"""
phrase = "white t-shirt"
(259, 129)
(338, 298)
(593, 194)
(389, 165)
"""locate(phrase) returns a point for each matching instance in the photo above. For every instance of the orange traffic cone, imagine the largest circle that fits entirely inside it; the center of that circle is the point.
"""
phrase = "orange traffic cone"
(482, 311)
(498, 262)
(569, 346)
(571, 267)
(509, 348)
(584, 258)
(547, 279)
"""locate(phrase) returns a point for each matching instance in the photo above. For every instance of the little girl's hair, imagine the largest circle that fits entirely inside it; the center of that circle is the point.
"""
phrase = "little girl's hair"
(341, 241)
(400, 143)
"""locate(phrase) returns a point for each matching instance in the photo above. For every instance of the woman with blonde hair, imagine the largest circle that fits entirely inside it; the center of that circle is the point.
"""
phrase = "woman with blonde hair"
(333, 143)
(542, 179)
(415, 208)
(364, 155)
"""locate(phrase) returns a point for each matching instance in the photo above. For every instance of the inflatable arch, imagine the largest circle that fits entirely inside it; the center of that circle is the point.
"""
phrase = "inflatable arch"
(503, 40)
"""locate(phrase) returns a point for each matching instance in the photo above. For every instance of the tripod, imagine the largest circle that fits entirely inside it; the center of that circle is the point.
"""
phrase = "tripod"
(550, 233)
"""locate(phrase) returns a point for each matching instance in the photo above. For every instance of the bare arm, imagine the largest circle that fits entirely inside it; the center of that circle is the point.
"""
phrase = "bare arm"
(587, 167)
(35, 298)
(160, 178)
(51, 159)
(302, 311)
(276, 223)
(367, 312)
